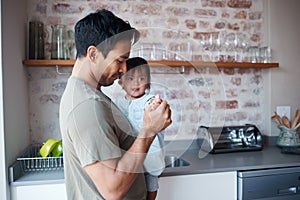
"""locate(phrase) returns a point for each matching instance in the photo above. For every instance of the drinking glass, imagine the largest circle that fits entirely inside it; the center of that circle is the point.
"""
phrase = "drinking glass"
(253, 53)
(206, 41)
(265, 54)
(230, 42)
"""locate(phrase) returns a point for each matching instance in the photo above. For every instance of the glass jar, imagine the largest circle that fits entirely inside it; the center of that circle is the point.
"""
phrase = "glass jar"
(59, 45)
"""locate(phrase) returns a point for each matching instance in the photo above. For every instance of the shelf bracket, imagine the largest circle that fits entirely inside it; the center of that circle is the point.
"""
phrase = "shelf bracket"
(60, 73)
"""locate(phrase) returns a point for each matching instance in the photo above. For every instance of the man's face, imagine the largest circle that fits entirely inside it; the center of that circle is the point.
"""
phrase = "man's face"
(115, 63)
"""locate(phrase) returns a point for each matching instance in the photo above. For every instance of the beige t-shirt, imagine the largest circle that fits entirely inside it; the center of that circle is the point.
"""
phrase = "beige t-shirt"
(92, 129)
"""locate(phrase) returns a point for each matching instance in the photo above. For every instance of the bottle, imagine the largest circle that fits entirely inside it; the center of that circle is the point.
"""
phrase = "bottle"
(36, 40)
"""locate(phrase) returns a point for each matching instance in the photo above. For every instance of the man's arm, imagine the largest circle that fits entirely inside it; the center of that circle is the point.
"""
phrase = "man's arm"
(114, 177)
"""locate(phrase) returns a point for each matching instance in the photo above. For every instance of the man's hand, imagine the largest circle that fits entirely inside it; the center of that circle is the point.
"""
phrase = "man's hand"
(155, 102)
(157, 116)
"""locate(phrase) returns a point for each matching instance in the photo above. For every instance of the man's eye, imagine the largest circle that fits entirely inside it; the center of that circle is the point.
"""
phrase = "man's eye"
(120, 61)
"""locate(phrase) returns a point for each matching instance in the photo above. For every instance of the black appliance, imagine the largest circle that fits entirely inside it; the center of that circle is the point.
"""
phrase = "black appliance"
(269, 184)
(229, 138)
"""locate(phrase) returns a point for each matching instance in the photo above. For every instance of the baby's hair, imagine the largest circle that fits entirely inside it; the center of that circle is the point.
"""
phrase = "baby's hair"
(134, 62)
(139, 63)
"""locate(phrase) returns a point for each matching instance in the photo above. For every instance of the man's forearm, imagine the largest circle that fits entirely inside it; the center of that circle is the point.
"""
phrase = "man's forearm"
(113, 178)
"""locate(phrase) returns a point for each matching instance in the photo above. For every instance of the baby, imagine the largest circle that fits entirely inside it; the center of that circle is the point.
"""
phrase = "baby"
(136, 84)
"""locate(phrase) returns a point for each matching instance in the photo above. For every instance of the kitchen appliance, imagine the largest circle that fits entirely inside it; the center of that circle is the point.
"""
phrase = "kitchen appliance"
(269, 184)
(229, 138)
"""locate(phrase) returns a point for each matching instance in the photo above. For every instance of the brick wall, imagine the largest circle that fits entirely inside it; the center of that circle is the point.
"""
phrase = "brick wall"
(205, 96)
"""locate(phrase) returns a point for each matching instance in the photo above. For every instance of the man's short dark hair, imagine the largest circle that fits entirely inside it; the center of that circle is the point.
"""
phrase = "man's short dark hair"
(102, 29)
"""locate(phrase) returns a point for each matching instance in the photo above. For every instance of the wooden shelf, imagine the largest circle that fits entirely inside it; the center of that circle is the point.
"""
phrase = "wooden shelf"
(47, 63)
(213, 64)
(170, 63)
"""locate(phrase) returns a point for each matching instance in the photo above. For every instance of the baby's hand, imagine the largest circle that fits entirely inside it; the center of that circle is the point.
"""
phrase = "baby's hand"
(157, 115)
(155, 102)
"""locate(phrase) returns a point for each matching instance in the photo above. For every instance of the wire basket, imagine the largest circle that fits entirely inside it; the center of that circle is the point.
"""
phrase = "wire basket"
(31, 160)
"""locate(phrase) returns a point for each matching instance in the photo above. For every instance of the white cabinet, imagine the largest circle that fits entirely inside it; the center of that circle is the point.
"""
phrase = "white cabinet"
(38, 192)
(210, 186)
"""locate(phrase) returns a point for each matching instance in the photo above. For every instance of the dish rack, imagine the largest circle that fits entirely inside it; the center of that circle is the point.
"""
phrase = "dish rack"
(31, 160)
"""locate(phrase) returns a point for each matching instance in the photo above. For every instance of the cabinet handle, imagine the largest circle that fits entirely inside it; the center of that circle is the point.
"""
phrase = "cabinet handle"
(290, 190)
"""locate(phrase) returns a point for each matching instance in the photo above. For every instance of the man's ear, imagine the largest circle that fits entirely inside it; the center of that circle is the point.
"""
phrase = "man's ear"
(92, 53)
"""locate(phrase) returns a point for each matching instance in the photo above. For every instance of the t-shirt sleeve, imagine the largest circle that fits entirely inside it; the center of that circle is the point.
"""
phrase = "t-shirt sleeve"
(94, 137)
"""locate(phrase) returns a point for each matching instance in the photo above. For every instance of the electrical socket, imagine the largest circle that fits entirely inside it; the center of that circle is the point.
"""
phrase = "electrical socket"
(284, 111)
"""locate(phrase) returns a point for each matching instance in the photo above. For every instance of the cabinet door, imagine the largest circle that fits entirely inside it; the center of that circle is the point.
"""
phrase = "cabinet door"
(38, 192)
(210, 186)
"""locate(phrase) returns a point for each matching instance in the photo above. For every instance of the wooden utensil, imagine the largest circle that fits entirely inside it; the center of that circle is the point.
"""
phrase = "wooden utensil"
(278, 118)
(275, 119)
(286, 122)
(297, 126)
(296, 118)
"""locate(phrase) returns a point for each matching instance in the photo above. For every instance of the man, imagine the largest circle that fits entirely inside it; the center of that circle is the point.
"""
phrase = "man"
(102, 158)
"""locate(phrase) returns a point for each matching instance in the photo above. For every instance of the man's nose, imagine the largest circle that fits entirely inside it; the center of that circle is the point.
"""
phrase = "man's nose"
(123, 68)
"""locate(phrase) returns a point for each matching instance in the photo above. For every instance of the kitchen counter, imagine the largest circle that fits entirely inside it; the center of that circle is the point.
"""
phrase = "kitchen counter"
(39, 178)
(269, 157)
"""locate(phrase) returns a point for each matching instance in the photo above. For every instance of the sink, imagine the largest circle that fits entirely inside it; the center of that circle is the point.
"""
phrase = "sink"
(174, 161)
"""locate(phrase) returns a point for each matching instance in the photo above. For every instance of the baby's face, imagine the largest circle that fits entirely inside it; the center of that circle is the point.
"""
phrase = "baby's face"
(135, 82)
